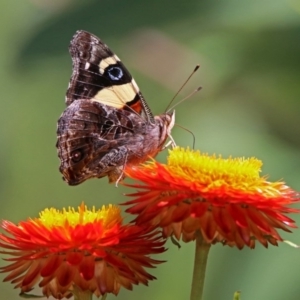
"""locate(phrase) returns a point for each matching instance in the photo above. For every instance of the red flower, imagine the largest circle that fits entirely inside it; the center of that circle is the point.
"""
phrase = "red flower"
(225, 199)
(86, 249)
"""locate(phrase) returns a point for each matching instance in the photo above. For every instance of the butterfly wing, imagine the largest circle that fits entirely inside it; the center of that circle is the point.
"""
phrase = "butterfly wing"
(99, 75)
(93, 139)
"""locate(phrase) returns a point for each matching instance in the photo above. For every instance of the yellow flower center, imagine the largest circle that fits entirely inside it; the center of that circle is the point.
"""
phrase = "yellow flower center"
(193, 165)
(51, 217)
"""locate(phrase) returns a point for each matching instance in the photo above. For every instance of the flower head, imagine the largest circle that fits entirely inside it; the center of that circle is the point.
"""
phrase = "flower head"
(86, 249)
(225, 199)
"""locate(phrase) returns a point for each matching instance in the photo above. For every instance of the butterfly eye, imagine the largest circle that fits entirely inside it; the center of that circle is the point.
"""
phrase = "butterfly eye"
(76, 156)
(115, 73)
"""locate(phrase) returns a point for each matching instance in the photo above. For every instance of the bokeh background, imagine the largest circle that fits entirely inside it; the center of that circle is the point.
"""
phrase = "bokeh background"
(249, 52)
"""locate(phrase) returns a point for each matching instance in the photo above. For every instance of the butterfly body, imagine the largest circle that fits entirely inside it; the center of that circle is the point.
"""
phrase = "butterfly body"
(107, 124)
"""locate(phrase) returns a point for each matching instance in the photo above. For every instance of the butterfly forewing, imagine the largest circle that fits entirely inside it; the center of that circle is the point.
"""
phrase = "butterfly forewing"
(99, 75)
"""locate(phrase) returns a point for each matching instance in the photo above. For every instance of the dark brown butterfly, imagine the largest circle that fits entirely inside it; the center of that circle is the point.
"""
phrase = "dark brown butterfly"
(107, 124)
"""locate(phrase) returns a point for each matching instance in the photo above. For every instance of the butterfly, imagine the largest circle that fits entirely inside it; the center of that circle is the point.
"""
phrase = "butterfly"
(107, 124)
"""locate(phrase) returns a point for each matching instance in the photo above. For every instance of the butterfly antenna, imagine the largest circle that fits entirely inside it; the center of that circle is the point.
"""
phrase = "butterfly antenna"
(193, 72)
(189, 131)
(188, 96)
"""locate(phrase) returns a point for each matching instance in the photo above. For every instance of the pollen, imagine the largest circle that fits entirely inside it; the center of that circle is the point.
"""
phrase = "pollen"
(51, 217)
(193, 164)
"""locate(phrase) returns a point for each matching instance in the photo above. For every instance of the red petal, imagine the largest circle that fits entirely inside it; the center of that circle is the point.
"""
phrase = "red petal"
(65, 274)
(87, 268)
(52, 263)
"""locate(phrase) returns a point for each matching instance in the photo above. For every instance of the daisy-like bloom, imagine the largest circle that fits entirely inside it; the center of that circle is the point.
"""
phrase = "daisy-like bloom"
(225, 199)
(89, 250)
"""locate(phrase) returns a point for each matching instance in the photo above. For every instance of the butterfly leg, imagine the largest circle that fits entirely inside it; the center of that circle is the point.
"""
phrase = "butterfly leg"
(171, 143)
(121, 170)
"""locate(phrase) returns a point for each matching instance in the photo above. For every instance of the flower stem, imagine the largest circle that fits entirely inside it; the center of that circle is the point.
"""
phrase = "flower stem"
(201, 255)
(82, 295)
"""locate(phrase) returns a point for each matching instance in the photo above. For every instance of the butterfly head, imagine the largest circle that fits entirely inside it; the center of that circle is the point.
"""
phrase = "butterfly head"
(165, 124)
(171, 121)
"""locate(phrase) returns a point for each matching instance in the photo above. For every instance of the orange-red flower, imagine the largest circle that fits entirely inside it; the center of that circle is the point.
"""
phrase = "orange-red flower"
(225, 199)
(86, 249)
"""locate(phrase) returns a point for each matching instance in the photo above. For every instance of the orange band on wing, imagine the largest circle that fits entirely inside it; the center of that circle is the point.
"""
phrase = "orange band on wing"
(135, 104)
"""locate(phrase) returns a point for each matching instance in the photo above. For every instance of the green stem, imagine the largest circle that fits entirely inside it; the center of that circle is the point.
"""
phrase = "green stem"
(201, 255)
(82, 295)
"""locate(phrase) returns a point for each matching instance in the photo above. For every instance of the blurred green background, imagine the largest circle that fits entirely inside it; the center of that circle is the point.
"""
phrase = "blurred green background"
(249, 52)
